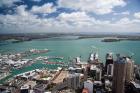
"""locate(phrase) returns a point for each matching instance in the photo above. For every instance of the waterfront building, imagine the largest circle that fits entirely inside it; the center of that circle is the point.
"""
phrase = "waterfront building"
(119, 75)
(109, 60)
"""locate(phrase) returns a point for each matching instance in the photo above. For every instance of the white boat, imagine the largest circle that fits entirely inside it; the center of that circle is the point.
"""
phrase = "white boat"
(94, 57)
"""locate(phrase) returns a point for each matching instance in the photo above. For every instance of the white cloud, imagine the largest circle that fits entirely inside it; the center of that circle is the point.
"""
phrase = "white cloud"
(8, 2)
(124, 20)
(80, 20)
(122, 13)
(46, 8)
(96, 6)
(21, 10)
(75, 18)
(126, 25)
(137, 15)
(25, 21)
(36, 0)
(21, 21)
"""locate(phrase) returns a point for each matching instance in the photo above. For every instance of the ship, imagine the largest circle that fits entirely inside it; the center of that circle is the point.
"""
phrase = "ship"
(93, 58)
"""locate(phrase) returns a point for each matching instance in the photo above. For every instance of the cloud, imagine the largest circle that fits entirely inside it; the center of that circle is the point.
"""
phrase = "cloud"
(122, 13)
(137, 15)
(124, 20)
(75, 18)
(96, 6)
(46, 8)
(26, 21)
(21, 10)
(36, 0)
(8, 2)
(22, 20)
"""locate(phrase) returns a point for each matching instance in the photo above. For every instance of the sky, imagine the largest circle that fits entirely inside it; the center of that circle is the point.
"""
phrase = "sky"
(37, 16)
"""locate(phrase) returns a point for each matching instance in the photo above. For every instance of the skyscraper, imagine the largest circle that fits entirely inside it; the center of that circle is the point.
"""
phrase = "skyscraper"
(109, 60)
(129, 69)
(95, 72)
(73, 80)
(119, 75)
(110, 70)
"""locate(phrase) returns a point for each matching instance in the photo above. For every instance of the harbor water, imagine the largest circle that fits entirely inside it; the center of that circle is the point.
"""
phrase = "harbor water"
(70, 48)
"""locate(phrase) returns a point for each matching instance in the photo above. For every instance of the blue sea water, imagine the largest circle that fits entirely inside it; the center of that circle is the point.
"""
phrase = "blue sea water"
(70, 48)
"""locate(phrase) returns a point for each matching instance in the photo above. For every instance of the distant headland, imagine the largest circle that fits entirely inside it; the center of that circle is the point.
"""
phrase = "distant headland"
(15, 38)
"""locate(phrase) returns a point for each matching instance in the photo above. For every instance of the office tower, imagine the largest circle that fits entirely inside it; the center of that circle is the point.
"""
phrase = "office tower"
(110, 69)
(95, 72)
(85, 71)
(109, 60)
(119, 75)
(129, 70)
(73, 81)
(98, 74)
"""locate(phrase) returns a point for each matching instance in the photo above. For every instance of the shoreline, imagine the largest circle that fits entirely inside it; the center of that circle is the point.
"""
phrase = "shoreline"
(17, 38)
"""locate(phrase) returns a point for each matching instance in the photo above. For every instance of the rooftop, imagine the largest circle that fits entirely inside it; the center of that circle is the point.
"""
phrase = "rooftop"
(60, 77)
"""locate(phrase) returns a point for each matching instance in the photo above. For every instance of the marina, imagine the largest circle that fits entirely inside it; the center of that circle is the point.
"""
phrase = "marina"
(25, 62)
(40, 68)
(12, 62)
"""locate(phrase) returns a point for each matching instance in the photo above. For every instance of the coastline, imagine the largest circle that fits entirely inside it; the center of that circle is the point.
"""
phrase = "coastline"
(17, 38)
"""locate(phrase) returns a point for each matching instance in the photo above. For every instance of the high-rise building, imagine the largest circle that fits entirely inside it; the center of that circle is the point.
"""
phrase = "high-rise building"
(98, 74)
(73, 80)
(119, 75)
(95, 72)
(110, 70)
(109, 60)
(129, 70)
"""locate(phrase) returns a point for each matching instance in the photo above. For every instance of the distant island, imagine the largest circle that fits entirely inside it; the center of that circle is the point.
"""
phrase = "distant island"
(111, 40)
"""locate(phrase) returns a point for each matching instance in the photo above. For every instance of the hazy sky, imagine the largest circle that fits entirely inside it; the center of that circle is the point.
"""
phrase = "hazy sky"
(69, 16)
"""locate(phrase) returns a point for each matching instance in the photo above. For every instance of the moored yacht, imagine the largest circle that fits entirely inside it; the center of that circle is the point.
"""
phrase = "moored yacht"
(94, 58)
